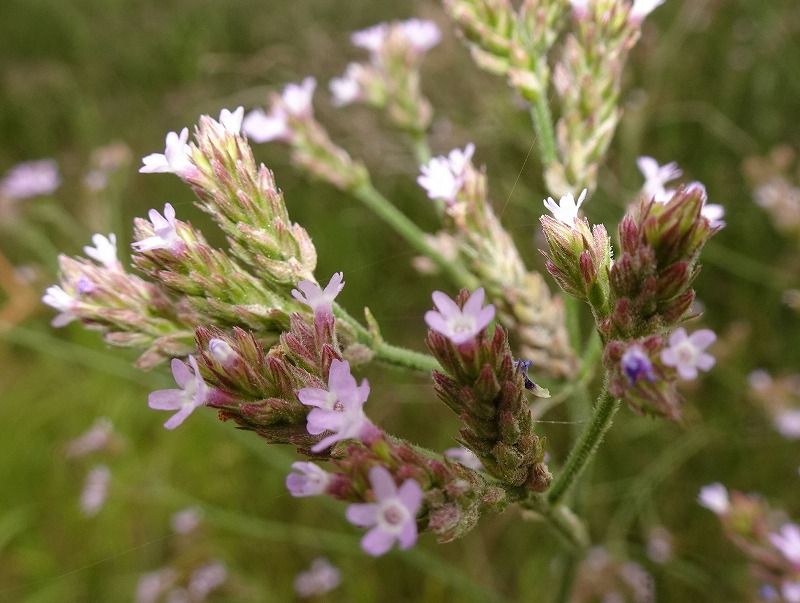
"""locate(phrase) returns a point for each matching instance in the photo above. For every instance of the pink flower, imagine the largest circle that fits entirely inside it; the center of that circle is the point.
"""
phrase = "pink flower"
(307, 479)
(714, 497)
(193, 393)
(166, 232)
(295, 101)
(459, 325)
(421, 34)
(566, 210)
(95, 490)
(319, 300)
(186, 520)
(322, 577)
(232, 120)
(57, 298)
(176, 158)
(656, 178)
(392, 516)
(464, 456)
(31, 179)
(686, 353)
(347, 89)
(372, 38)
(442, 177)
(787, 423)
(339, 409)
(787, 541)
(104, 251)
(205, 579)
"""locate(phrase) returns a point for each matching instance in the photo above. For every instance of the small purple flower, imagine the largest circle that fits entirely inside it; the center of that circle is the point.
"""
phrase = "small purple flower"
(99, 436)
(392, 516)
(95, 490)
(656, 178)
(205, 579)
(442, 177)
(322, 577)
(31, 179)
(347, 89)
(566, 210)
(295, 101)
(186, 520)
(713, 212)
(104, 251)
(307, 479)
(176, 158)
(421, 34)
(232, 120)
(192, 394)
(372, 38)
(787, 541)
(319, 300)
(57, 298)
(686, 353)
(166, 232)
(636, 365)
(464, 456)
(714, 497)
(339, 409)
(791, 591)
(523, 366)
(459, 325)
(787, 423)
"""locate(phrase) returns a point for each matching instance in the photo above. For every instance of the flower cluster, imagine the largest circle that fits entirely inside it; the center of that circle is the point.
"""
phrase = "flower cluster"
(603, 577)
(31, 179)
(780, 397)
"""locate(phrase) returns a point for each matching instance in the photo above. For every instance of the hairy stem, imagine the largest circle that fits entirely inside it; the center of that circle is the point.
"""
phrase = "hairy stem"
(586, 446)
(405, 358)
(545, 135)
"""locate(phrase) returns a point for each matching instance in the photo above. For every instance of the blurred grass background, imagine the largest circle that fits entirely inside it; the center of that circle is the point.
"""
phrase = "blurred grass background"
(711, 83)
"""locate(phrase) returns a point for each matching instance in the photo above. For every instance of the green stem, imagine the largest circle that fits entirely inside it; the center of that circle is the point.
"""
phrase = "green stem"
(373, 199)
(543, 126)
(422, 151)
(586, 446)
(562, 520)
(405, 358)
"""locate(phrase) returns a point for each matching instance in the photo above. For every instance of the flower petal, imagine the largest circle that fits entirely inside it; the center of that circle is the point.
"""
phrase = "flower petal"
(180, 372)
(445, 305)
(382, 482)
(473, 305)
(362, 514)
(703, 338)
(410, 494)
(165, 399)
(408, 535)
(377, 542)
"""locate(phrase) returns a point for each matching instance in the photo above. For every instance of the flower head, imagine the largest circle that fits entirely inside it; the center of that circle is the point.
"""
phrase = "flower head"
(95, 490)
(459, 325)
(318, 299)
(57, 298)
(464, 456)
(787, 541)
(205, 579)
(566, 210)
(104, 251)
(232, 120)
(372, 38)
(392, 516)
(295, 101)
(347, 89)
(421, 34)
(193, 393)
(715, 498)
(176, 158)
(656, 178)
(442, 177)
(31, 179)
(166, 232)
(186, 520)
(686, 353)
(339, 408)
(322, 577)
(307, 479)
(636, 364)
(642, 8)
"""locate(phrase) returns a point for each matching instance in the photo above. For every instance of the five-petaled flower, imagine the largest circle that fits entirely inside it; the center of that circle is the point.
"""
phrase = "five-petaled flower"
(787, 541)
(636, 364)
(392, 516)
(338, 409)
(442, 177)
(318, 299)
(566, 210)
(166, 232)
(176, 158)
(295, 101)
(714, 497)
(686, 353)
(459, 325)
(656, 178)
(307, 479)
(192, 394)
(57, 298)
(104, 251)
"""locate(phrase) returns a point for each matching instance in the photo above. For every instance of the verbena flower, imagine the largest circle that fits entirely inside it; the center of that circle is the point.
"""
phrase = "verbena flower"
(176, 158)
(186, 520)
(57, 298)
(392, 516)
(787, 423)
(232, 120)
(790, 590)
(205, 579)
(104, 251)
(295, 101)
(566, 210)
(31, 179)
(338, 409)
(347, 88)
(421, 34)
(318, 299)
(322, 577)
(371, 38)
(221, 351)
(656, 178)
(636, 364)
(307, 479)
(464, 456)
(442, 177)
(166, 232)
(459, 325)
(98, 437)
(95, 490)
(192, 394)
(686, 353)
(787, 541)
(715, 498)
(714, 212)
(642, 8)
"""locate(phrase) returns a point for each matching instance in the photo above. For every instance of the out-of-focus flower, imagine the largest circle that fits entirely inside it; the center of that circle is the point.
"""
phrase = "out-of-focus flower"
(392, 516)
(322, 577)
(642, 8)
(232, 120)
(95, 490)
(166, 232)
(372, 38)
(656, 178)
(153, 584)
(295, 101)
(98, 437)
(57, 298)
(659, 545)
(790, 590)
(192, 394)
(421, 34)
(205, 579)
(339, 409)
(307, 479)
(319, 300)
(566, 210)
(176, 158)
(104, 251)
(636, 364)
(686, 353)
(787, 541)
(580, 8)
(31, 179)
(459, 325)
(442, 177)
(347, 88)
(714, 497)
(464, 456)
(186, 520)
(788, 424)
(714, 212)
